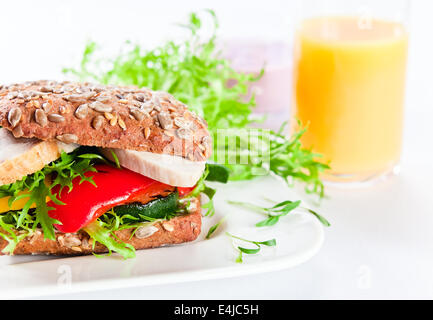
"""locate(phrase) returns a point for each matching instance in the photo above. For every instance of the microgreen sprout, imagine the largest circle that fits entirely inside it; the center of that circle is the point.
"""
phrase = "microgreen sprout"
(257, 244)
(215, 227)
(277, 211)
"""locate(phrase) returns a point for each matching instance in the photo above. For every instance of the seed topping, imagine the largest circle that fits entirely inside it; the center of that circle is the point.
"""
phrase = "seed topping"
(137, 114)
(147, 132)
(121, 123)
(57, 118)
(113, 120)
(82, 111)
(165, 120)
(41, 118)
(98, 121)
(183, 133)
(18, 131)
(108, 116)
(145, 231)
(14, 116)
(67, 138)
(168, 226)
(100, 107)
(64, 109)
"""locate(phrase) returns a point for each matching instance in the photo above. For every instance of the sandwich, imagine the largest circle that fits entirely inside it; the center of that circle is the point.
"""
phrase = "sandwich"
(90, 169)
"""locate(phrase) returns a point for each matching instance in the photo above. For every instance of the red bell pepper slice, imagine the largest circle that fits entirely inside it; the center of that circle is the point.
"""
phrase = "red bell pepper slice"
(85, 203)
(183, 191)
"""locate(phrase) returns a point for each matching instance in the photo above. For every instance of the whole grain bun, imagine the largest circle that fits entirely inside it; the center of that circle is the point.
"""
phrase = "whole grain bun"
(183, 228)
(104, 116)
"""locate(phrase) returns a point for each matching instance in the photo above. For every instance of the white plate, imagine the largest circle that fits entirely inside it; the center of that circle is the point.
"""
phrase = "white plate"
(299, 236)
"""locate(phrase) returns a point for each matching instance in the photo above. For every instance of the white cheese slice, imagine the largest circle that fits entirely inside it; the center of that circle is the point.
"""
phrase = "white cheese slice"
(168, 169)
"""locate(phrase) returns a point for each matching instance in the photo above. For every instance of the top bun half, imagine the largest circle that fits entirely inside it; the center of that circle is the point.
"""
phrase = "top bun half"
(104, 116)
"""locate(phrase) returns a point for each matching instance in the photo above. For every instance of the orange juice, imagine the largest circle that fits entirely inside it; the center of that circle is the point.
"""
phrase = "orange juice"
(349, 88)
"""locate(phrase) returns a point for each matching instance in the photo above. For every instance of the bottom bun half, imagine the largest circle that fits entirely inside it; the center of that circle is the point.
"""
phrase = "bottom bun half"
(182, 228)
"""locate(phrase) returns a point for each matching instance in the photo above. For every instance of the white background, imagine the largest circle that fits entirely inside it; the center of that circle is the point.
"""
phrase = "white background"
(381, 241)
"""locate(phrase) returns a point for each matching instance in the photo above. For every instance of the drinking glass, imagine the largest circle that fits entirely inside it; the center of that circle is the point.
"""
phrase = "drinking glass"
(349, 81)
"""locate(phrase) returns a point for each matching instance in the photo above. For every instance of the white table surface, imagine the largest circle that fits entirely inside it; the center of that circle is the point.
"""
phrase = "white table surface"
(380, 244)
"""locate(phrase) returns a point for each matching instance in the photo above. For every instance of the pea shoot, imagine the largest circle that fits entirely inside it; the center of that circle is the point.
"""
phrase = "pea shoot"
(257, 244)
(215, 227)
(278, 211)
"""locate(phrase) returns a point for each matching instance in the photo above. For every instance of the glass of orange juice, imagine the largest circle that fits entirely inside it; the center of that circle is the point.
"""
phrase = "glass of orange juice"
(349, 82)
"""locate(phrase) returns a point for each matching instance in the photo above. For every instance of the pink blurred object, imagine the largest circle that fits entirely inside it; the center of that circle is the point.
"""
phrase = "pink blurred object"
(273, 91)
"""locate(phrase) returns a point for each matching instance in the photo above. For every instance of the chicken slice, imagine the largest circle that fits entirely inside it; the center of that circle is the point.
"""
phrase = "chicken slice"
(168, 169)
(21, 157)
